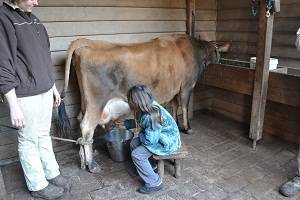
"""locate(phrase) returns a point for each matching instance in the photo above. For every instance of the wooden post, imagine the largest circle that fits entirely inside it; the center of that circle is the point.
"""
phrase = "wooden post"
(190, 14)
(263, 52)
(190, 30)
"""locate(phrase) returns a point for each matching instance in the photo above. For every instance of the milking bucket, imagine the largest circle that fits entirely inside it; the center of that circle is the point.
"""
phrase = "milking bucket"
(118, 144)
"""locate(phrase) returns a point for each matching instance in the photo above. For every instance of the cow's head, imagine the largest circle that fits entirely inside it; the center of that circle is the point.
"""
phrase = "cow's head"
(209, 52)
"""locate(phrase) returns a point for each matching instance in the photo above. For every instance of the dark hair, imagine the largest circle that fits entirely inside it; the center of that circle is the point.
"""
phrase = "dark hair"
(140, 100)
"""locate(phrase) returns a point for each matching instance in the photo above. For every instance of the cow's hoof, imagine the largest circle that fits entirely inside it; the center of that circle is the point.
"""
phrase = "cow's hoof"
(94, 167)
(187, 131)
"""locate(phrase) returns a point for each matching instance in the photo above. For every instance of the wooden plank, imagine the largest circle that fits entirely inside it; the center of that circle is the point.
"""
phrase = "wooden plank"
(282, 24)
(108, 27)
(237, 112)
(206, 15)
(283, 88)
(205, 25)
(284, 62)
(233, 97)
(245, 50)
(62, 43)
(285, 51)
(237, 36)
(288, 11)
(235, 14)
(284, 39)
(263, 53)
(235, 79)
(190, 17)
(61, 14)
(234, 4)
(115, 3)
(237, 25)
(245, 13)
(206, 35)
(206, 5)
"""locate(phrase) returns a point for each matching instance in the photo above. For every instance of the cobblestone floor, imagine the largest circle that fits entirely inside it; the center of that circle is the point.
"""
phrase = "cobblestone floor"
(222, 167)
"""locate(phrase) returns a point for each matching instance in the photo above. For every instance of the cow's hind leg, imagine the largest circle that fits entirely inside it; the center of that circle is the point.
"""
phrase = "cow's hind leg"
(185, 95)
(86, 149)
(175, 104)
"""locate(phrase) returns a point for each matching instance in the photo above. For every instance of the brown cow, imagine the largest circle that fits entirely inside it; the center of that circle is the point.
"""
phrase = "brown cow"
(169, 65)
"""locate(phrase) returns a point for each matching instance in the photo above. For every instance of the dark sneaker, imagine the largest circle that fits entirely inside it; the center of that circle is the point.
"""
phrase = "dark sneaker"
(50, 192)
(61, 181)
(148, 190)
(291, 187)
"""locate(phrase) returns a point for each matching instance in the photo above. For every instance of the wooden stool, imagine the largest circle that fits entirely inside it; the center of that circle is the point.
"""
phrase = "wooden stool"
(177, 156)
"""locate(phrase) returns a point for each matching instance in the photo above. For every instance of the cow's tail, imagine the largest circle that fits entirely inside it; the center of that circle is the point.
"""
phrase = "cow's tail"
(74, 45)
(64, 127)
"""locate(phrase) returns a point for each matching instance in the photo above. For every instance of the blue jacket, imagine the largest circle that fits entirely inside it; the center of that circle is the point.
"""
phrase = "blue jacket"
(162, 139)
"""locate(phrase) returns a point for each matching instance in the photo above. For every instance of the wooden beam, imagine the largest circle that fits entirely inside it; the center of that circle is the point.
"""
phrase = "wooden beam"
(263, 52)
(190, 30)
(190, 14)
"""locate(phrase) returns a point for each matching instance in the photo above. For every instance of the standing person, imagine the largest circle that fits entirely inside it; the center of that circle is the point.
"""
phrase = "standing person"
(27, 82)
(158, 135)
(292, 187)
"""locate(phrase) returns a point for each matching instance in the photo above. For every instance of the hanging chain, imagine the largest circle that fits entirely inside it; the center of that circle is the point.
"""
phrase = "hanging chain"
(269, 7)
(254, 7)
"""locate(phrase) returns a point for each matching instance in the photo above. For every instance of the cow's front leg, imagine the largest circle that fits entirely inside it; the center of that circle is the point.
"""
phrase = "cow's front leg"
(93, 166)
(82, 157)
(86, 152)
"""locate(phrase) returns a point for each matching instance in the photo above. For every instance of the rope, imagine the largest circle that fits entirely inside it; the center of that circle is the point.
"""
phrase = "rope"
(79, 141)
(63, 139)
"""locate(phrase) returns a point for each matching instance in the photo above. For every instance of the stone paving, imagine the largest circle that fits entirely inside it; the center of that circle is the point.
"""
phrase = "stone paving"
(222, 166)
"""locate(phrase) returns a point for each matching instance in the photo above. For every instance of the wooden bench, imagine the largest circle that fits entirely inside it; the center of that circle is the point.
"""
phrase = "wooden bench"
(177, 156)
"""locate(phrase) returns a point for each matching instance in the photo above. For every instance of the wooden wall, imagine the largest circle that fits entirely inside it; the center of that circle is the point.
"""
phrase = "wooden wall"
(206, 19)
(114, 20)
(235, 23)
(232, 87)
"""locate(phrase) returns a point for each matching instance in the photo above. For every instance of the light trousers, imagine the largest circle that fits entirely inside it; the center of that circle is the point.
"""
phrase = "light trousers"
(34, 142)
(140, 156)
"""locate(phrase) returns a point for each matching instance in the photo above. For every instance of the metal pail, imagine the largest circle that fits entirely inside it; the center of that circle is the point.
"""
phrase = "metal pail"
(118, 144)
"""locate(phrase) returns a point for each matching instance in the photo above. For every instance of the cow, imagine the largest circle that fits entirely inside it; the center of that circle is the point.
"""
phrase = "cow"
(169, 65)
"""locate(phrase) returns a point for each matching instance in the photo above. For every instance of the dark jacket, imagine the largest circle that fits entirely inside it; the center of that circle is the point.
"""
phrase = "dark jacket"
(25, 60)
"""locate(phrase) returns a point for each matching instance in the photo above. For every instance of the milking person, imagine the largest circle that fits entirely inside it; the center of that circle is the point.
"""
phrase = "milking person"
(27, 82)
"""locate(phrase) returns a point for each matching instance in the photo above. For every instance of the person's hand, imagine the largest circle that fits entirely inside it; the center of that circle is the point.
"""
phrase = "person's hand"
(17, 117)
(56, 97)
(16, 114)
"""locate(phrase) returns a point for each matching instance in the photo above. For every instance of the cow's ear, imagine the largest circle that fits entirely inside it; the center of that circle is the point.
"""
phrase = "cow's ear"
(225, 47)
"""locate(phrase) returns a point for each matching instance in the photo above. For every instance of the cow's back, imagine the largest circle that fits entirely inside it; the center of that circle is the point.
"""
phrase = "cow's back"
(164, 64)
